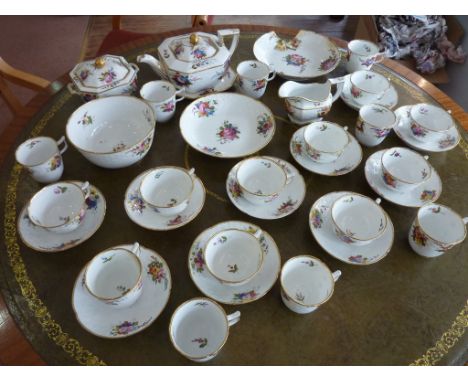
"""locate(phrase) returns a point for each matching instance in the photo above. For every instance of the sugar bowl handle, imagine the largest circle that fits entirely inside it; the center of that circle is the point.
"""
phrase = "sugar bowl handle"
(136, 249)
(336, 275)
(234, 318)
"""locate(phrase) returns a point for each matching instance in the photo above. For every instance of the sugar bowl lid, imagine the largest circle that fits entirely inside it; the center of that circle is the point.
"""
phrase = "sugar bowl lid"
(103, 73)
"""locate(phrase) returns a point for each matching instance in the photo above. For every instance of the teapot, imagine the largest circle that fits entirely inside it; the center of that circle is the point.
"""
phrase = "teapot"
(196, 61)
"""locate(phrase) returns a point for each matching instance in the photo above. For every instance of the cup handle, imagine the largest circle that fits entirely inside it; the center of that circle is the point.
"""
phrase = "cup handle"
(65, 145)
(339, 82)
(192, 172)
(465, 220)
(258, 234)
(426, 157)
(289, 177)
(178, 92)
(136, 249)
(271, 75)
(86, 189)
(233, 318)
(336, 275)
(378, 200)
(378, 58)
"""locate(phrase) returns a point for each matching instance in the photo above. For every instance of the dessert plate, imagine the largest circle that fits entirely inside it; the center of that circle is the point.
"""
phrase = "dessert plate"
(107, 321)
(148, 217)
(227, 125)
(306, 56)
(222, 85)
(250, 291)
(321, 225)
(42, 240)
(426, 192)
(287, 201)
(402, 128)
(347, 162)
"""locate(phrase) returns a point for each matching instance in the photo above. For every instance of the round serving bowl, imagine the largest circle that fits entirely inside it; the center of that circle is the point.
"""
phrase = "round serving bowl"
(112, 132)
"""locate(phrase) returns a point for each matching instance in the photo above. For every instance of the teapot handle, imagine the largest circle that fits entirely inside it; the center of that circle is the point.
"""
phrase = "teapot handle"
(339, 82)
(229, 32)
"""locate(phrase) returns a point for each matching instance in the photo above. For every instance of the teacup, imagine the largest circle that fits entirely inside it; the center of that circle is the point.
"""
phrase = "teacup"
(59, 207)
(403, 169)
(306, 283)
(199, 328)
(436, 229)
(253, 77)
(42, 157)
(234, 256)
(429, 122)
(115, 276)
(361, 55)
(162, 96)
(168, 189)
(261, 179)
(325, 141)
(357, 219)
(367, 87)
(374, 123)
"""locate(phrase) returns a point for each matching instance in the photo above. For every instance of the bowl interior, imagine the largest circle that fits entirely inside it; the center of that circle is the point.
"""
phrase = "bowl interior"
(406, 165)
(432, 117)
(261, 176)
(253, 70)
(441, 223)
(363, 48)
(369, 81)
(36, 151)
(377, 115)
(326, 137)
(157, 91)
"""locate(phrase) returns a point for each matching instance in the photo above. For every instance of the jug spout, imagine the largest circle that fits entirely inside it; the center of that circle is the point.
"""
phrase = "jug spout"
(153, 63)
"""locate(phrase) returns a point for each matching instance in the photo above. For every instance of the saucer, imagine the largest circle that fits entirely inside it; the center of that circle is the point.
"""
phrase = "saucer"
(42, 240)
(221, 86)
(288, 201)
(250, 291)
(320, 222)
(107, 321)
(427, 192)
(402, 129)
(347, 162)
(148, 217)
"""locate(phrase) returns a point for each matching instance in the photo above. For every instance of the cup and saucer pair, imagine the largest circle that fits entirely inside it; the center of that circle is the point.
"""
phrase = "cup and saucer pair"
(325, 148)
(164, 198)
(82, 210)
(139, 282)
(265, 187)
(225, 237)
(402, 176)
(363, 240)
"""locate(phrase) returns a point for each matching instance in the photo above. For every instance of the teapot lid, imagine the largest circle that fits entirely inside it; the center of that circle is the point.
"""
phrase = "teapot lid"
(102, 73)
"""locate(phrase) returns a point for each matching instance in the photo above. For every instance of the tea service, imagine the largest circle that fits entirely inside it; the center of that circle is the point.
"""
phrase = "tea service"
(374, 124)
(42, 157)
(306, 283)
(265, 187)
(162, 96)
(362, 55)
(253, 77)
(135, 310)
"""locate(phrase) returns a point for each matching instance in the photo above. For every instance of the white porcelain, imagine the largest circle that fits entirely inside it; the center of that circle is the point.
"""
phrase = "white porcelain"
(106, 321)
(306, 56)
(403, 169)
(447, 141)
(224, 84)
(282, 205)
(374, 123)
(234, 256)
(323, 230)
(168, 189)
(150, 217)
(59, 207)
(436, 229)
(261, 179)
(389, 98)
(227, 125)
(103, 76)
(307, 102)
(367, 86)
(112, 132)
(325, 141)
(42, 157)
(429, 122)
(425, 192)
(362, 55)
(43, 240)
(196, 61)
(199, 328)
(229, 294)
(358, 219)
(253, 77)
(346, 162)
(306, 283)
(115, 276)
(162, 96)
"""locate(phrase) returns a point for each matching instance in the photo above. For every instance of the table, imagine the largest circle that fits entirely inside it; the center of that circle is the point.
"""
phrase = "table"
(402, 310)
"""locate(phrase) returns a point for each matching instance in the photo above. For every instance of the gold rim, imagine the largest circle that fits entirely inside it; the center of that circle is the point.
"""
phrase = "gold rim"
(44, 161)
(223, 156)
(367, 42)
(425, 127)
(397, 178)
(219, 307)
(140, 276)
(390, 126)
(230, 302)
(367, 91)
(309, 146)
(154, 101)
(247, 278)
(297, 301)
(250, 78)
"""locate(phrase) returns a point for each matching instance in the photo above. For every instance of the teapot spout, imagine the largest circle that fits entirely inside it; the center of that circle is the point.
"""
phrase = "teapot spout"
(153, 63)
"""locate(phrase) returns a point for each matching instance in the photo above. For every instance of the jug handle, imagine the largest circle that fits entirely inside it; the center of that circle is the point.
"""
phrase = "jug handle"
(339, 82)
(229, 32)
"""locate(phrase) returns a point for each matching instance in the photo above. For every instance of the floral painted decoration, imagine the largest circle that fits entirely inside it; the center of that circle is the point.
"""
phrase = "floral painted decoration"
(202, 342)
(84, 74)
(259, 85)
(108, 76)
(142, 147)
(210, 150)
(447, 142)
(418, 130)
(296, 60)
(300, 297)
(245, 296)
(316, 218)
(60, 190)
(356, 92)
(428, 195)
(309, 263)
(127, 327)
(175, 221)
(264, 124)
(118, 147)
(329, 62)
(360, 125)
(157, 272)
(197, 262)
(296, 146)
(234, 188)
(92, 200)
(345, 237)
(55, 162)
(285, 207)
(358, 259)
(183, 80)
(436, 210)
(418, 236)
(136, 202)
(31, 144)
(389, 180)
(167, 107)
(86, 120)
(367, 62)
(227, 133)
(341, 170)
(204, 108)
(233, 268)
(380, 133)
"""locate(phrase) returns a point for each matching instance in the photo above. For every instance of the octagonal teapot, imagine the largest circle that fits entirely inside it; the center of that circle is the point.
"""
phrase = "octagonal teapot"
(196, 61)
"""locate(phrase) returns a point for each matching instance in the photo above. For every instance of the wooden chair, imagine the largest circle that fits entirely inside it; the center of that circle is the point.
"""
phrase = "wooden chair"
(28, 80)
